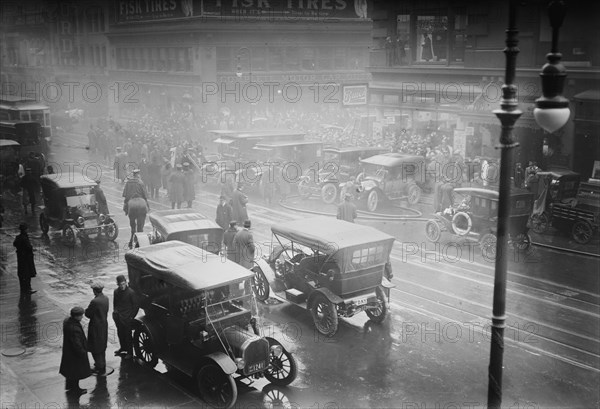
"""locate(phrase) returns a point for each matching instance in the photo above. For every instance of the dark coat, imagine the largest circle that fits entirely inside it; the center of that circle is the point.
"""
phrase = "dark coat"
(74, 363)
(228, 237)
(238, 204)
(134, 187)
(224, 215)
(125, 306)
(101, 200)
(97, 312)
(154, 177)
(243, 243)
(137, 207)
(189, 191)
(25, 261)
(176, 187)
(120, 164)
(346, 211)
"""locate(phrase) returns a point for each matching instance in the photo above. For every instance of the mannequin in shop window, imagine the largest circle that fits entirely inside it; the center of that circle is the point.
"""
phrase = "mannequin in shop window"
(427, 53)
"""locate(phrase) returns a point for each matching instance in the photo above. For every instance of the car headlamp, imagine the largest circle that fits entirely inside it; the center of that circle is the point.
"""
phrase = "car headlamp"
(239, 362)
(80, 221)
(102, 218)
(276, 350)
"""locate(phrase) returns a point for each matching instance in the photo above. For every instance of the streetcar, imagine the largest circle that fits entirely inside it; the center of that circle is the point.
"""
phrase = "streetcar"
(17, 108)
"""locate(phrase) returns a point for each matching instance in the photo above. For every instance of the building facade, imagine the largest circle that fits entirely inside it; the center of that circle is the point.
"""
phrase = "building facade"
(438, 66)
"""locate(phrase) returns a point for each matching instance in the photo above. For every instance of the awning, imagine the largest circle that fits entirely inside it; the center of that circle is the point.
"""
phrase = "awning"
(224, 141)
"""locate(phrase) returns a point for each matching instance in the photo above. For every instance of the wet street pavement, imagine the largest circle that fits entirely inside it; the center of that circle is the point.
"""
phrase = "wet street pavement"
(433, 350)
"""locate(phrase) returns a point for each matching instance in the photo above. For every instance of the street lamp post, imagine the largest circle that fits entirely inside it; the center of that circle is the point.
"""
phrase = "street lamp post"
(508, 114)
(239, 74)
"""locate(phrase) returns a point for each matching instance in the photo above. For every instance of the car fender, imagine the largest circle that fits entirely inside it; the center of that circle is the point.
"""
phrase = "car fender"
(143, 239)
(221, 359)
(266, 269)
(333, 298)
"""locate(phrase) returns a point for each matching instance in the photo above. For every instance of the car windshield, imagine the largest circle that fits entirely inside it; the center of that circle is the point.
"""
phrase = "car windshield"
(331, 157)
(79, 196)
(232, 299)
(376, 171)
(201, 239)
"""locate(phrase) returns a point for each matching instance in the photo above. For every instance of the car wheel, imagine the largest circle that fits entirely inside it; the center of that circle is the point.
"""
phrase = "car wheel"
(273, 398)
(324, 315)
(433, 231)
(372, 200)
(260, 285)
(522, 242)
(215, 387)
(282, 368)
(304, 189)
(111, 231)
(539, 223)
(329, 193)
(414, 194)
(582, 232)
(69, 236)
(378, 314)
(488, 246)
(44, 224)
(462, 223)
(144, 347)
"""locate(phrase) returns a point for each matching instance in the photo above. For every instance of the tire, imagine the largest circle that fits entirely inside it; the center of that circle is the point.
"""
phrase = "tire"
(143, 345)
(522, 242)
(112, 231)
(283, 368)
(329, 193)
(379, 314)
(413, 194)
(433, 231)
(373, 200)
(539, 223)
(44, 224)
(69, 236)
(324, 315)
(582, 232)
(488, 245)
(260, 285)
(304, 189)
(456, 220)
(215, 387)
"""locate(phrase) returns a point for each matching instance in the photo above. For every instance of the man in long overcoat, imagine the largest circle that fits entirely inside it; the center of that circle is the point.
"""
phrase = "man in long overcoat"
(189, 192)
(97, 312)
(238, 203)
(154, 178)
(228, 237)
(224, 213)
(74, 364)
(347, 210)
(25, 262)
(176, 187)
(125, 308)
(120, 165)
(101, 202)
(243, 243)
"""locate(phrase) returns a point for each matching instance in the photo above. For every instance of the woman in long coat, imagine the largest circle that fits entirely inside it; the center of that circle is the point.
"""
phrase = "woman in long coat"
(74, 364)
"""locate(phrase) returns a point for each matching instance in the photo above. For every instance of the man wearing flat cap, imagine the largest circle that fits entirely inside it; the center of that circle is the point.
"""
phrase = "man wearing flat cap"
(74, 364)
(125, 308)
(97, 312)
(25, 262)
(243, 243)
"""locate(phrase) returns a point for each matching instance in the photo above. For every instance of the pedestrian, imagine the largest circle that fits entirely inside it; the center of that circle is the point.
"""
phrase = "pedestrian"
(189, 192)
(97, 312)
(101, 203)
(74, 363)
(243, 243)
(165, 175)
(238, 203)
(154, 181)
(30, 187)
(228, 237)
(120, 165)
(347, 210)
(224, 213)
(176, 187)
(25, 262)
(125, 308)
(133, 187)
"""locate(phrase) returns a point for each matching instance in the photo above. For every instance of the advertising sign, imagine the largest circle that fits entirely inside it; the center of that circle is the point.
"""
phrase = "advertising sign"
(353, 95)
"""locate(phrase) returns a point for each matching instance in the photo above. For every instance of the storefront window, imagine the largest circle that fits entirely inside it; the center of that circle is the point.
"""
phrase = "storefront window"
(224, 61)
(325, 61)
(339, 58)
(292, 58)
(259, 58)
(432, 35)
(308, 58)
(276, 59)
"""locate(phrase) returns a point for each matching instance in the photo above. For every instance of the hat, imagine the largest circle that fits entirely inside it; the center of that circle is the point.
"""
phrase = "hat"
(247, 224)
(232, 223)
(97, 181)
(121, 279)
(222, 197)
(97, 285)
(23, 226)
(76, 311)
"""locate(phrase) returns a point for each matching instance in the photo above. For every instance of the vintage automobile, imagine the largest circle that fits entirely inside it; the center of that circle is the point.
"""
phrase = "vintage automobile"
(474, 216)
(69, 205)
(567, 204)
(184, 225)
(339, 166)
(198, 317)
(391, 176)
(331, 267)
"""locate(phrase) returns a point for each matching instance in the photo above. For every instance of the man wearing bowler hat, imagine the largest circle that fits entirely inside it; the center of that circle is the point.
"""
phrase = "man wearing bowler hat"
(97, 312)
